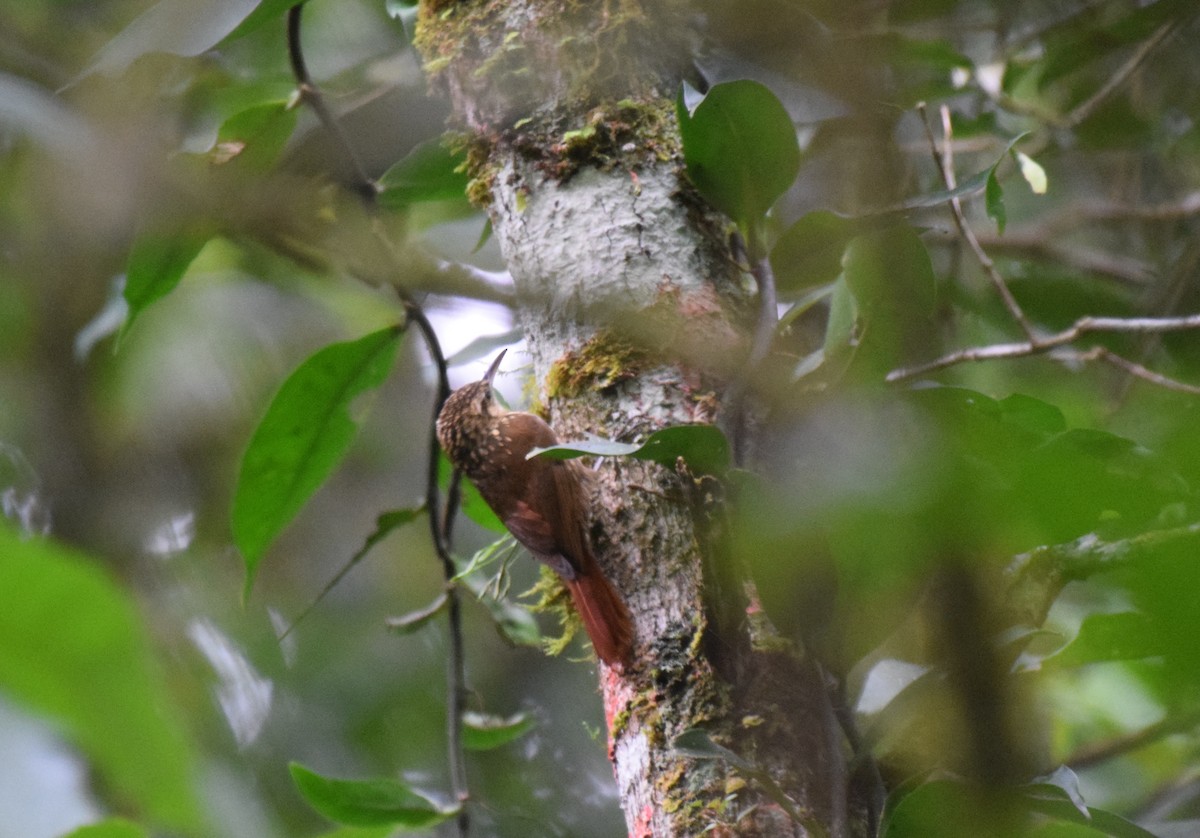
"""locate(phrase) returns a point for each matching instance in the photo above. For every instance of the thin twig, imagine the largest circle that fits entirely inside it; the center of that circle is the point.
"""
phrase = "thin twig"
(1086, 108)
(310, 95)
(1041, 244)
(1138, 371)
(1082, 326)
(945, 163)
(440, 527)
(1100, 752)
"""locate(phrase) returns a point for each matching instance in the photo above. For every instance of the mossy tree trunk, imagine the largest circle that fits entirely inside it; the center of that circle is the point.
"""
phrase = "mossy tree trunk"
(633, 311)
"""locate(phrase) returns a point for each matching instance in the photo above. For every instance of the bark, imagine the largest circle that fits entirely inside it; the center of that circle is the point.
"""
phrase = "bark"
(632, 308)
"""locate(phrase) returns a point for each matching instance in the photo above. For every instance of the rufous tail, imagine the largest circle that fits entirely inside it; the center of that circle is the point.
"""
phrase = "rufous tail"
(604, 615)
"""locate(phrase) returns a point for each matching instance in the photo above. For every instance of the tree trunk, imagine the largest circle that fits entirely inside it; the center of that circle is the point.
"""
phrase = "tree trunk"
(631, 304)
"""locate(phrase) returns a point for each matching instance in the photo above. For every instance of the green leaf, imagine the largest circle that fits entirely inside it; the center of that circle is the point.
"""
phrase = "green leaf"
(975, 183)
(369, 802)
(255, 137)
(266, 12)
(1054, 801)
(471, 502)
(1127, 635)
(75, 649)
(482, 732)
(304, 435)
(839, 346)
(1032, 414)
(156, 264)
(740, 148)
(809, 253)
(385, 831)
(430, 172)
(891, 275)
(703, 447)
(513, 621)
(112, 828)
(384, 525)
(1063, 781)
(994, 200)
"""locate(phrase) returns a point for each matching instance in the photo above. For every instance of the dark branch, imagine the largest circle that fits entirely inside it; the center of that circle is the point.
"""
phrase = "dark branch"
(440, 527)
(310, 95)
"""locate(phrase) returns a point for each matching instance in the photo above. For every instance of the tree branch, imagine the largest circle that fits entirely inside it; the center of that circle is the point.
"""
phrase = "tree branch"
(440, 527)
(944, 160)
(1089, 106)
(310, 95)
(1082, 326)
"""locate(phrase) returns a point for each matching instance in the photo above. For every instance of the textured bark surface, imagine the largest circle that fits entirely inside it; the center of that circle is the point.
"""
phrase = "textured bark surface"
(631, 307)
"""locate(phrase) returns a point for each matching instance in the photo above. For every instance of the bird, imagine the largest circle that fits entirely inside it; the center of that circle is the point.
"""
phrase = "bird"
(543, 502)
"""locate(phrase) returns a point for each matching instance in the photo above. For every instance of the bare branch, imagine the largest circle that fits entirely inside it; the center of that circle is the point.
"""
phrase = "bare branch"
(1039, 245)
(1086, 108)
(1098, 752)
(1138, 371)
(1082, 326)
(310, 95)
(946, 165)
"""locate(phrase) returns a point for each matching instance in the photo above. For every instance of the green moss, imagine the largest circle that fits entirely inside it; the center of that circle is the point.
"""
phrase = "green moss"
(553, 598)
(601, 363)
(570, 85)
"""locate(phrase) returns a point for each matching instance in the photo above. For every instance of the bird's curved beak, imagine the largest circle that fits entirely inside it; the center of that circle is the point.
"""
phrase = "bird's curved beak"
(491, 373)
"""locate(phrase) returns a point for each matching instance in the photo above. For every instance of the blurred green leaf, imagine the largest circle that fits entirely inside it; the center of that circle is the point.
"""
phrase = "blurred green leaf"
(994, 200)
(255, 137)
(1065, 781)
(75, 650)
(810, 252)
(112, 828)
(430, 172)
(369, 802)
(975, 183)
(483, 732)
(703, 447)
(513, 621)
(1032, 414)
(265, 12)
(386, 831)
(304, 435)
(1127, 635)
(980, 181)
(891, 277)
(1090, 38)
(157, 263)
(740, 148)
(840, 344)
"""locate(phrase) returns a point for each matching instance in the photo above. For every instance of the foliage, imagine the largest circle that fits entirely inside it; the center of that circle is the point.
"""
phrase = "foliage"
(997, 554)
